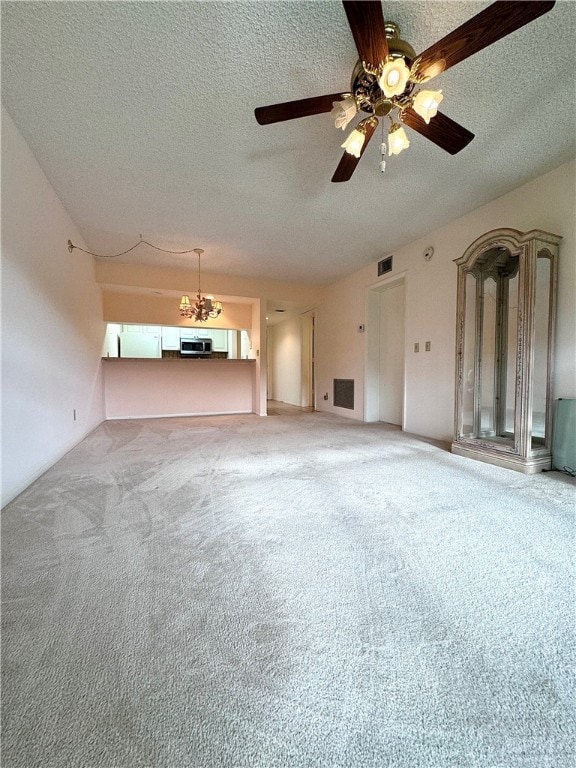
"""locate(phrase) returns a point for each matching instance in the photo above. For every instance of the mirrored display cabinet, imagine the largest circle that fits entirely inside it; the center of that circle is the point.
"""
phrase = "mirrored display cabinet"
(504, 347)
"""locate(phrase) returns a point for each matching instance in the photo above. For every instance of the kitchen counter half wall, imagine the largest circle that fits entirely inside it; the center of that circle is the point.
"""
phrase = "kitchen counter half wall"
(137, 388)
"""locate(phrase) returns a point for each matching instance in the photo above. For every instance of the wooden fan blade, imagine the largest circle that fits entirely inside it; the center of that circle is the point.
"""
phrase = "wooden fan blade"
(348, 162)
(487, 27)
(446, 133)
(290, 110)
(367, 24)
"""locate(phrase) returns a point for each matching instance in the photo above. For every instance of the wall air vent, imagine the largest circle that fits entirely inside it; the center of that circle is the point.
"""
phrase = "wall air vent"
(385, 265)
(344, 393)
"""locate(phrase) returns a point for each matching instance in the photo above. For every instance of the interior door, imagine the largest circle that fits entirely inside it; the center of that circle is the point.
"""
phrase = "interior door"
(391, 390)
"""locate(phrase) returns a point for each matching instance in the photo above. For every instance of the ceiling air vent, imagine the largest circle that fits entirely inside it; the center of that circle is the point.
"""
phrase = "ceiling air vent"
(385, 266)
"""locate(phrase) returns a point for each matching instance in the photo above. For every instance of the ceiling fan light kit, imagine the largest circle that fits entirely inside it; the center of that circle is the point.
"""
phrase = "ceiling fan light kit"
(426, 104)
(343, 111)
(356, 140)
(394, 76)
(386, 78)
(397, 139)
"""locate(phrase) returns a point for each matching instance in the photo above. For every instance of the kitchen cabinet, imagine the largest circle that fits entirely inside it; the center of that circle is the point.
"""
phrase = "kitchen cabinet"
(219, 340)
(192, 333)
(170, 338)
(129, 328)
(117, 335)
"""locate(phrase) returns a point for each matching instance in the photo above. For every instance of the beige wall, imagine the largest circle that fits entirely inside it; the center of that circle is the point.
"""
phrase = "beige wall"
(52, 329)
(137, 388)
(149, 309)
(285, 361)
(545, 203)
(110, 274)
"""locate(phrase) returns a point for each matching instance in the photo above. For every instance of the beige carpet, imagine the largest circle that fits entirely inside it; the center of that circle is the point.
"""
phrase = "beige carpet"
(300, 591)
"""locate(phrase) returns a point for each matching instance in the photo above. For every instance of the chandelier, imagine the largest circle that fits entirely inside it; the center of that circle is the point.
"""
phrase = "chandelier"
(388, 90)
(204, 307)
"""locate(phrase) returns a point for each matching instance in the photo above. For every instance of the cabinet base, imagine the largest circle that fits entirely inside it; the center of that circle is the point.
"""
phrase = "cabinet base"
(528, 466)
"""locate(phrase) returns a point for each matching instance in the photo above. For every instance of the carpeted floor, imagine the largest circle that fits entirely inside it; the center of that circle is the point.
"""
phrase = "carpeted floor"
(294, 591)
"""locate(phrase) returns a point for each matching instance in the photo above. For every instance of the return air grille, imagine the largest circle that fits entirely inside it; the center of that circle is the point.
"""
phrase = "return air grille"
(344, 393)
(385, 266)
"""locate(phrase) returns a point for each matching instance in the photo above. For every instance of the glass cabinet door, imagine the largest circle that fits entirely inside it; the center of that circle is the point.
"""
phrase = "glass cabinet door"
(506, 296)
(489, 347)
(541, 350)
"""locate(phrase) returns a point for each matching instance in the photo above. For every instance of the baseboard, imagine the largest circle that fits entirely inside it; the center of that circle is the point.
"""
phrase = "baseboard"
(177, 415)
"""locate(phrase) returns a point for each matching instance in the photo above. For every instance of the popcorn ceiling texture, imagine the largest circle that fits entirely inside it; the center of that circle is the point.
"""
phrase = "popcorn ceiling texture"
(141, 115)
(286, 592)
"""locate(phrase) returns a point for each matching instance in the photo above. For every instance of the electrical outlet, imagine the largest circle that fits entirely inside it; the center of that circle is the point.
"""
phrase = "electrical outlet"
(427, 346)
(416, 347)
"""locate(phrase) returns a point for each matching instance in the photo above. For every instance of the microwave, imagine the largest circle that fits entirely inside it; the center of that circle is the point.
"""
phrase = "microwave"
(194, 347)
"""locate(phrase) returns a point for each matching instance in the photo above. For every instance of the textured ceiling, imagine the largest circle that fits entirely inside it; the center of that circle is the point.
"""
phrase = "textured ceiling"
(142, 117)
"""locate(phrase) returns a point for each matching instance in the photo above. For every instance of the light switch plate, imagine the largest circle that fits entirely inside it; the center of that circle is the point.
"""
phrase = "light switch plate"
(416, 347)
(427, 346)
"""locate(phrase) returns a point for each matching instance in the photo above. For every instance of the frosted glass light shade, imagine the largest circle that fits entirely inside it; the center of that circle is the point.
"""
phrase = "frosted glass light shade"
(343, 111)
(426, 104)
(394, 77)
(354, 143)
(397, 140)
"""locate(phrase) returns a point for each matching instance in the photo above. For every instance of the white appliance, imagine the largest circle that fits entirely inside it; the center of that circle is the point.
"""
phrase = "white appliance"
(140, 344)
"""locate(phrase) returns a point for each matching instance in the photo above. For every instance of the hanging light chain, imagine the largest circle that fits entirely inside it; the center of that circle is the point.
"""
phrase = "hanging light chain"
(71, 247)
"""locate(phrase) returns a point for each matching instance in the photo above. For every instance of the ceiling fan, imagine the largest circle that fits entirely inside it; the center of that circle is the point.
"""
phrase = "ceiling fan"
(386, 80)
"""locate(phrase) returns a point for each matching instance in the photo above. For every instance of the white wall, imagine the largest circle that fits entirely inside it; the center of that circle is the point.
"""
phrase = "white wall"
(52, 327)
(545, 203)
(259, 354)
(285, 360)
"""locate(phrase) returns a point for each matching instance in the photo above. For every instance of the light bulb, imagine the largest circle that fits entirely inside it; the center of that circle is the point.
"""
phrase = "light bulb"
(394, 77)
(354, 143)
(426, 104)
(397, 139)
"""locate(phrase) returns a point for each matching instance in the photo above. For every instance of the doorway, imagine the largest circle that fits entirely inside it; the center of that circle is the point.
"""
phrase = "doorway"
(391, 368)
(290, 357)
(385, 359)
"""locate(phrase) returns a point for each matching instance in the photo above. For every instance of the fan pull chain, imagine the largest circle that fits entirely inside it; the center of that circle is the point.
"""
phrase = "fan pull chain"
(382, 153)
